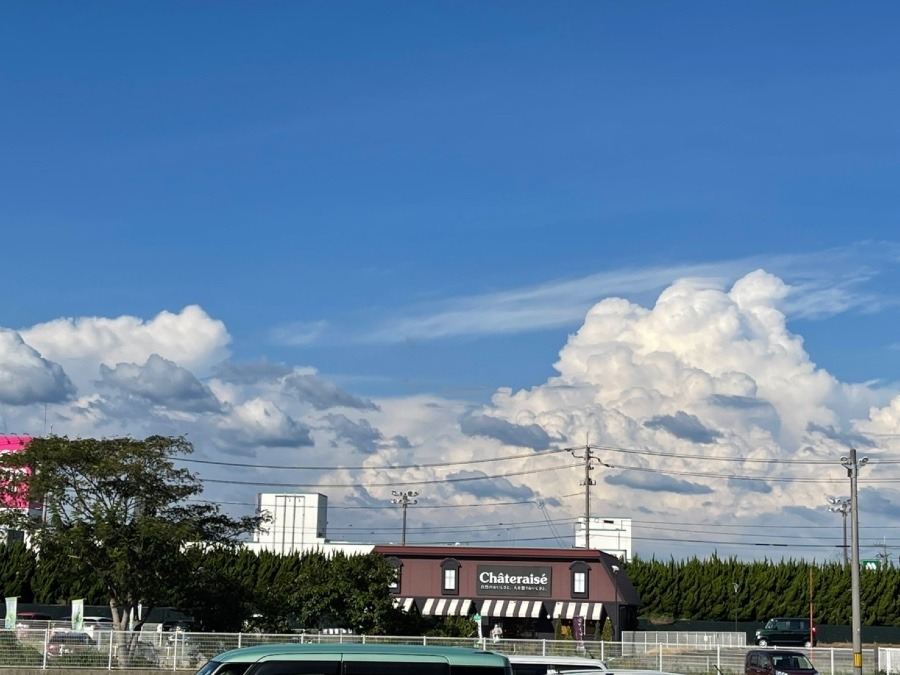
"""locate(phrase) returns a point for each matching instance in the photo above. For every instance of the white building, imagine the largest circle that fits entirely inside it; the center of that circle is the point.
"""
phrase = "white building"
(610, 535)
(297, 524)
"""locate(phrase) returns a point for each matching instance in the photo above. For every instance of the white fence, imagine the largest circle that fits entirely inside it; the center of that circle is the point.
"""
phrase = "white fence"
(678, 638)
(43, 649)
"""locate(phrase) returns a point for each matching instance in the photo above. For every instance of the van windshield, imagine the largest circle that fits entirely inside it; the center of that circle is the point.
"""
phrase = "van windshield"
(793, 662)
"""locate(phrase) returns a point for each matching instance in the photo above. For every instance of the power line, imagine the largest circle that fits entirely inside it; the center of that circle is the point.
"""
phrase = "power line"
(376, 507)
(282, 467)
(743, 460)
(339, 486)
(693, 542)
(528, 525)
(767, 478)
(529, 455)
(645, 525)
(543, 507)
(692, 474)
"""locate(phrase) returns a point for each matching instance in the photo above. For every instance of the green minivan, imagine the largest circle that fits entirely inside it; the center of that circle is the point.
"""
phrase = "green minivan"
(355, 659)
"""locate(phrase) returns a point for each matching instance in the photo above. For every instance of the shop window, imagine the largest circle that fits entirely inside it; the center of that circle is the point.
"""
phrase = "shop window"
(450, 577)
(397, 564)
(580, 571)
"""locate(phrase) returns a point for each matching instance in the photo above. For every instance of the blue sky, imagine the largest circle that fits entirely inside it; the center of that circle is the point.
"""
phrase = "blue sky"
(422, 201)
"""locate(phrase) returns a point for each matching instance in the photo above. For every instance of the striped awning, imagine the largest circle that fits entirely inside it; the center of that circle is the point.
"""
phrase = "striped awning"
(589, 610)
(522, 609)
(406, 604)
(445, 606)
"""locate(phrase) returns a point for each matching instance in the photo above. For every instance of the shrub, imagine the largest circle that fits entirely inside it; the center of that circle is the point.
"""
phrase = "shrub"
(13, 652)
(87, 658)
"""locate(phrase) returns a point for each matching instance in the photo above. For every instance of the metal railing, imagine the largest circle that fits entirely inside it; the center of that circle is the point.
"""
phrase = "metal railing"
(50, 649)
(695, 638)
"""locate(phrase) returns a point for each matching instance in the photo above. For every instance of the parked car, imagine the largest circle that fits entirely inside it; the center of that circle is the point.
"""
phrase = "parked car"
(96, 622)
(355, 658)
(29, 623)
(63, 642)
(777, 662)
(787, 631)
(627, 671)
(183, 625)
(526, 664)
(32, 619)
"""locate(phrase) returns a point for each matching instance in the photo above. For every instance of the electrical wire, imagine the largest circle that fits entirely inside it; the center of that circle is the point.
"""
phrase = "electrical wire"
(342, 486)
(418, 507)
(743, 460)
(282, 467)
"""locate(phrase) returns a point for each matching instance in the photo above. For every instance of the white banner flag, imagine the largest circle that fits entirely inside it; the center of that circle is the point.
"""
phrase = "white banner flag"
(78, 614)
(12, 605)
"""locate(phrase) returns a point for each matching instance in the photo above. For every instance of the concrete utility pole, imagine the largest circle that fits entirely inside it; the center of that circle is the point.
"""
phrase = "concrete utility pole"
(853, 465)
(404, 499)
(588, 457)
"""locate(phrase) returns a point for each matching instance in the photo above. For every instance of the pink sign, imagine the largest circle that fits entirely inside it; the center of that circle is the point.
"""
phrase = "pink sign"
(16, 444)
(13, 443)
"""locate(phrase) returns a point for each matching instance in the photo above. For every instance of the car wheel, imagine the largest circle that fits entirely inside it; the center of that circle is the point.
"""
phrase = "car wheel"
(762, 642)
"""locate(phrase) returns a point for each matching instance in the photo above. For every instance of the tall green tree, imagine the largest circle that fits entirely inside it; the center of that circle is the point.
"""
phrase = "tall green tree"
(117, 516)
(17, 563)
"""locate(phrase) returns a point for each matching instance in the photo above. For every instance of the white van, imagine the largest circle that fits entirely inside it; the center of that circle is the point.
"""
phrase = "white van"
(523, 664)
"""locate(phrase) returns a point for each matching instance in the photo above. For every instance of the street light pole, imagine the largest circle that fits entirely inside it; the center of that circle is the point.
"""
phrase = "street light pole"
(617, 633)
(852, 464)
(404, 499)
(841, 505)
(736, 587)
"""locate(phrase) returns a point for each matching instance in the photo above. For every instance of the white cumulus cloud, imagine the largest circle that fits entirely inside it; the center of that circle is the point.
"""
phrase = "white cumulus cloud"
(27, 377)
(161, 382)
(260, 423)
(190, 338)
(701, 407)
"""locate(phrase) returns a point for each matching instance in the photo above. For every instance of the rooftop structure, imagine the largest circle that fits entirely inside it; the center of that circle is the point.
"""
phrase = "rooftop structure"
(297, 524)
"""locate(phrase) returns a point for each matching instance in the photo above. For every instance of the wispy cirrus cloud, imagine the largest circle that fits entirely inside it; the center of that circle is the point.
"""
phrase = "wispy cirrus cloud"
(821, 284)
(298, 334)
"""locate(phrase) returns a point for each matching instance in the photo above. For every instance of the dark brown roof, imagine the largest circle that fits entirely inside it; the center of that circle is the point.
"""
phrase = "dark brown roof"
(507, 552)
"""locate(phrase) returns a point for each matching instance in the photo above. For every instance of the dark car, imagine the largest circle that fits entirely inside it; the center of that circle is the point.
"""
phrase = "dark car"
(32, 619)
(777, 662)
(96, 622)
(26, 622)
(181, 625)
(787, 631)
(69, 642)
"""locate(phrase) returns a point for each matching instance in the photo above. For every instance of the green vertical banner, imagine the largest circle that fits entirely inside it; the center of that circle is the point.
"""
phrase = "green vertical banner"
(78, 614)
(12, 607)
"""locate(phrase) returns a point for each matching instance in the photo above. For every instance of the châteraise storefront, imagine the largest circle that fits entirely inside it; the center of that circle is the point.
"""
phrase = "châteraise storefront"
(529, 592)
